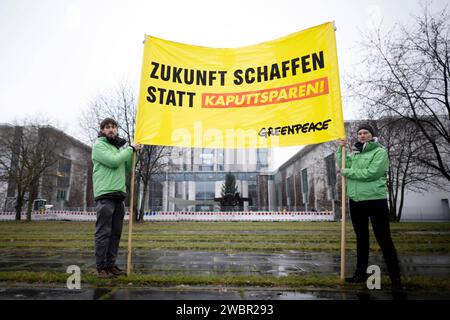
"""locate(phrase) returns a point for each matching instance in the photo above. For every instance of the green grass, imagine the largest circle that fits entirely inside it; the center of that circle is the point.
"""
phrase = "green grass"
(47, 238)
(143, 280)
(222, 236)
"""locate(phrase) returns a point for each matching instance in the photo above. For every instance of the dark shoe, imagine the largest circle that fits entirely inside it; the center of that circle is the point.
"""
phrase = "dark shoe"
(398, 291)
(115, 270)
(357, 278)
(104, 274)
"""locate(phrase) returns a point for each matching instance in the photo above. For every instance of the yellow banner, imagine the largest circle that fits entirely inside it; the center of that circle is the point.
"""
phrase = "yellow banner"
(279, 93)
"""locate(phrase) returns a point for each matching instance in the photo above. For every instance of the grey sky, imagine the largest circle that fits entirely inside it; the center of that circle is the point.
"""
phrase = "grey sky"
(56, 55)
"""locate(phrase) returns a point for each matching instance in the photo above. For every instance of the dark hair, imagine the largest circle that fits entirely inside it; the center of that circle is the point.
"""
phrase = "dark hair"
(107, 121)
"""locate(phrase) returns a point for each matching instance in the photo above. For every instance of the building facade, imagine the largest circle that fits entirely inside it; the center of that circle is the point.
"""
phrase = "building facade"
(196, 177)
(310, 180)
(65, 184)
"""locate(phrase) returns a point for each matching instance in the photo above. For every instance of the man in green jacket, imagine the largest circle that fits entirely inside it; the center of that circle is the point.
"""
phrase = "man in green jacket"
(111, 162)
(366, 175)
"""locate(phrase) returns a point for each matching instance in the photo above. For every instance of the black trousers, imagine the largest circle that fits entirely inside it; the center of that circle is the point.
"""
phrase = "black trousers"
(108, 230)
(378, 212)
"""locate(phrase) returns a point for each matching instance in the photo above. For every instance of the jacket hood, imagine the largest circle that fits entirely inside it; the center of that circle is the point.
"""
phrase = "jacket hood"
(117, 141)
(369, 145)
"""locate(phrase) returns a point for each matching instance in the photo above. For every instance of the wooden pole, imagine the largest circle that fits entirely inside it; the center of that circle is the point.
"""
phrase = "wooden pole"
(343, 201)
(130, 220)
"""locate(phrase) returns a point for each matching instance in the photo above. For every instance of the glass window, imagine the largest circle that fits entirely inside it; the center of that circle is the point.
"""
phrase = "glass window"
(207, 156)
(178, 177)
(330, 163)
(290, 191)
(205, 190)
(220, 156)
(64, 166)
(279, 194)
(262, 155)
(305, 180)
(156, 195)
(179, 189)
(61, 195)
(252, 193)
(62, 182)
(63, 173)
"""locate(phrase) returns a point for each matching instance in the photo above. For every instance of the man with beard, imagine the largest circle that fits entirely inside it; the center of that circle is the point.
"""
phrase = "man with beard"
(110, 164)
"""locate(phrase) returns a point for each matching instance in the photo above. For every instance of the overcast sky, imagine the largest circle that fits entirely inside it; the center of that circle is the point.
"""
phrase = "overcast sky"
(56, 55)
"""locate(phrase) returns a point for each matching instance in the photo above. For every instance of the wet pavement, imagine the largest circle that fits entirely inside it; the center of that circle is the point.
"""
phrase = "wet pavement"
(163, 262)
(219, 263)
(204, 293)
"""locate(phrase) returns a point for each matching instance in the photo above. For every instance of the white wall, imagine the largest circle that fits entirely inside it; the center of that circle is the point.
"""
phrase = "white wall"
(425, 205)
(3, 193)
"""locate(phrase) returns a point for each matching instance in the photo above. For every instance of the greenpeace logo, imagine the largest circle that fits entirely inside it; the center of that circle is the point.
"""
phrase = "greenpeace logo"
(294, 129)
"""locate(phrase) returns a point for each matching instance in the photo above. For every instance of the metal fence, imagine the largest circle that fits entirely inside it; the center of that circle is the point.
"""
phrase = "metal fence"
(64, 215)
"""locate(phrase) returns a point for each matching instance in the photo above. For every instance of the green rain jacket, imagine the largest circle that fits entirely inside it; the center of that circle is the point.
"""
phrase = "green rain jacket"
(366, 172)
(110, 166)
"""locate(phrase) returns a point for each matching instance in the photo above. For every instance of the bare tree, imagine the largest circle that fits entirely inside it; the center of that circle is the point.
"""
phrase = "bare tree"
(399, 138)
(408, 73)
(152, 160)
(121, 106)
(27, 151)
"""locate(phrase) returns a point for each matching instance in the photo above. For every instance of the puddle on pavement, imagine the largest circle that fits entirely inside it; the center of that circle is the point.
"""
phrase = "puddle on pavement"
(219, 263)
(192, 293)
